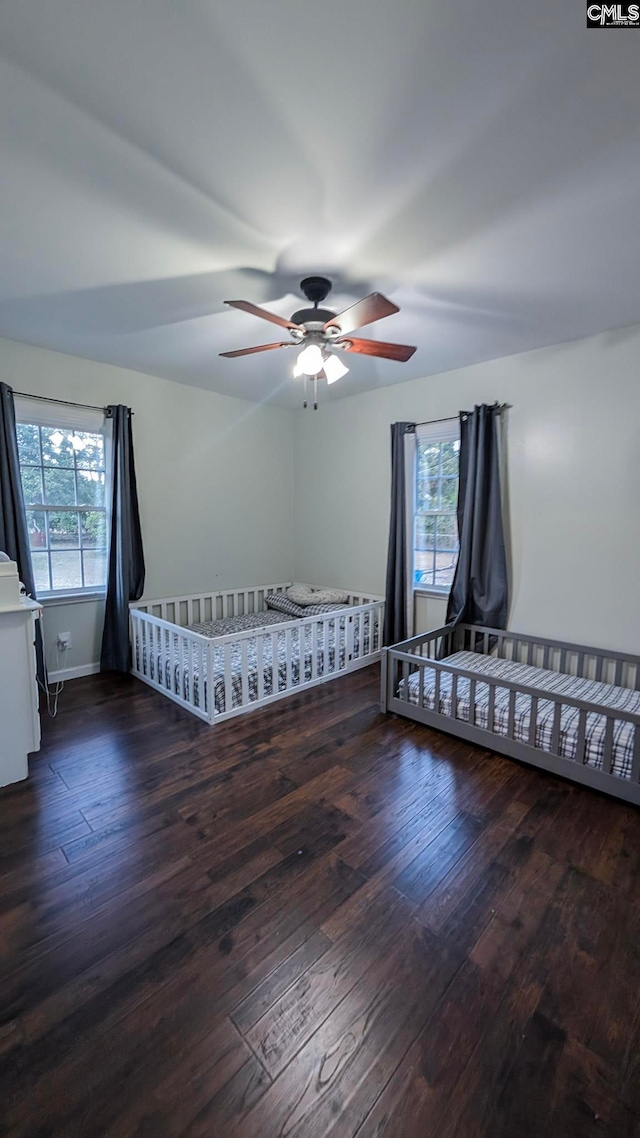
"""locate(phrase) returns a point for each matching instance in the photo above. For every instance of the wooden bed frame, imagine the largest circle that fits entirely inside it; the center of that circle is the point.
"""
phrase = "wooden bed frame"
(160, 630)
(430, 649)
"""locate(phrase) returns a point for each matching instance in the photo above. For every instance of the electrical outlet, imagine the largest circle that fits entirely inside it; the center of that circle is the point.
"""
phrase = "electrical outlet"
(64, 641)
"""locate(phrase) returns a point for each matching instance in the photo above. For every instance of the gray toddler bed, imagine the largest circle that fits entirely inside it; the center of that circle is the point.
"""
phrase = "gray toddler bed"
(569, 709)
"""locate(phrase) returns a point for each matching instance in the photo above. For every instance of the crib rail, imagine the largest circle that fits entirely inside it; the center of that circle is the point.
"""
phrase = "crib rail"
(619, 668)
(355, 599)
(426, 652)
(192, 608)
(221, 677)
(170, 659)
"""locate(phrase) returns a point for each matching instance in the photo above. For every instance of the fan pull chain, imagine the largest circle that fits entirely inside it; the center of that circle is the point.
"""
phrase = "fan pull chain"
(304, 405)
(315, 393)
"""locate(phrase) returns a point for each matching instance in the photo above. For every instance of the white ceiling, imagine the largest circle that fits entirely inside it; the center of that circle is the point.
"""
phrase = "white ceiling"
(478, 163)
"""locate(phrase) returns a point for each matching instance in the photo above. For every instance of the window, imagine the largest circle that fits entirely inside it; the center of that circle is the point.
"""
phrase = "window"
(63, 479)
(435, 534)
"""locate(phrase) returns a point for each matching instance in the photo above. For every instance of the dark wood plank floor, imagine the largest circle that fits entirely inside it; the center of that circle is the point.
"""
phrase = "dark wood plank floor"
(310, 921)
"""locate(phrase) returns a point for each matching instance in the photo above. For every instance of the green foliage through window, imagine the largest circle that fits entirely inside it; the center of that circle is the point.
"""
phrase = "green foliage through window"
(63, 481)
(435, 543)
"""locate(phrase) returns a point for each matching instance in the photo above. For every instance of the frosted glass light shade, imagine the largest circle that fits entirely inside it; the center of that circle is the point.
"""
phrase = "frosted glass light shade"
(310, 360)
(334, 368)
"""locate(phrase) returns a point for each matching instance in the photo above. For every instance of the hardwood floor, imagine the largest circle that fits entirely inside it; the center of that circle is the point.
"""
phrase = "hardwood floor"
(312, 920)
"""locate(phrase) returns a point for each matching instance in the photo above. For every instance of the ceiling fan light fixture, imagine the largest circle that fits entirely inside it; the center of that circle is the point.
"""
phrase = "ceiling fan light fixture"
(318, 331)
(334, 368)
(310, 360)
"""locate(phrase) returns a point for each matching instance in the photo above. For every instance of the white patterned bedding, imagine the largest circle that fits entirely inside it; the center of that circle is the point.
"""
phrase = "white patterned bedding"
(242, 623)
(163, 662)
(591, 691)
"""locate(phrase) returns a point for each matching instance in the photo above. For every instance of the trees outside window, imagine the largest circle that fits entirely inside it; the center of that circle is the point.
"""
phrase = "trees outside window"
(63, 479)
(435, 544)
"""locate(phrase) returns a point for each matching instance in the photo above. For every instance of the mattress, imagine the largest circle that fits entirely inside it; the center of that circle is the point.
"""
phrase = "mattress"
(242, 623)
(591, 691)
(162, 662)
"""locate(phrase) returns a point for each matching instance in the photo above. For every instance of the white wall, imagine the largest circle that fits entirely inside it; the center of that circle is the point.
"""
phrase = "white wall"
(573, 477)
(214, 481)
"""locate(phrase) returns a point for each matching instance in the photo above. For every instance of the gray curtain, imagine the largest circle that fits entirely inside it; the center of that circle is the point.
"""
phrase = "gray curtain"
(395, 611)
(126, 559)
(14, 534)
(480, 592)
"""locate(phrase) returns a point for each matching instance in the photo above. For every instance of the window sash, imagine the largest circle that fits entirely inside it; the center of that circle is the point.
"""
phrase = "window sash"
(78, 547)
(432, 436)
(79, 509)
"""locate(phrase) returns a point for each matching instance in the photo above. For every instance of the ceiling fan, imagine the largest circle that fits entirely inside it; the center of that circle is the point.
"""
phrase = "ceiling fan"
(322, 334)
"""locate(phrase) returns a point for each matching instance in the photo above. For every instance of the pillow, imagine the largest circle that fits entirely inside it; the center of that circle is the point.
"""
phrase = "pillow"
(319, 610)
(306, 595)
(282, 603)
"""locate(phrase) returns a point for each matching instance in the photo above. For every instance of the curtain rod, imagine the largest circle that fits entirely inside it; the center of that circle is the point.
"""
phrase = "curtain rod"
(450, 418)
(63, 402)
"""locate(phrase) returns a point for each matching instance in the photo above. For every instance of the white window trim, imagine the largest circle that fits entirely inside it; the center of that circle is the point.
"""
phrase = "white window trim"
(69, 417)
(410, 453)
(437, 591)
(78, 598)
(446, 431)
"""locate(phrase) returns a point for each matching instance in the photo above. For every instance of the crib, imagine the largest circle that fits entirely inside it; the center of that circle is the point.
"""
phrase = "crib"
(218, 677)
(567, 708)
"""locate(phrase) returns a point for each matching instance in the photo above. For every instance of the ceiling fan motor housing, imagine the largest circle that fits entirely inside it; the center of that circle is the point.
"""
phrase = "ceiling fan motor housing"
(316, 289)
(309, 316)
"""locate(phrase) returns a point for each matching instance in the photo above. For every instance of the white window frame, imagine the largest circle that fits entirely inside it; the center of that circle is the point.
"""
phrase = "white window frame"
(447, 431)
(33, 412)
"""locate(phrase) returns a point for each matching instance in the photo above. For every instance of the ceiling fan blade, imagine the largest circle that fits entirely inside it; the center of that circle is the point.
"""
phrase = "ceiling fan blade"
(372, 307)
(251, 351)
(400, 352)
(263, 313)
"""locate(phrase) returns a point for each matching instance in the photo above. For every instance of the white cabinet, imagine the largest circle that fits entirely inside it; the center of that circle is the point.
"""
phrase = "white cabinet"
(19, 718)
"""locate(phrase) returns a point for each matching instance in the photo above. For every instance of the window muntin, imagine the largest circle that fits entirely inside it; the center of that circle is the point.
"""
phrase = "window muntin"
(63, 481)
(435, 537)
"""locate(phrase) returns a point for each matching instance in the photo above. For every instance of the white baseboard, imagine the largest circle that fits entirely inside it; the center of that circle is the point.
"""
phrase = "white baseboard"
(73, 673)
